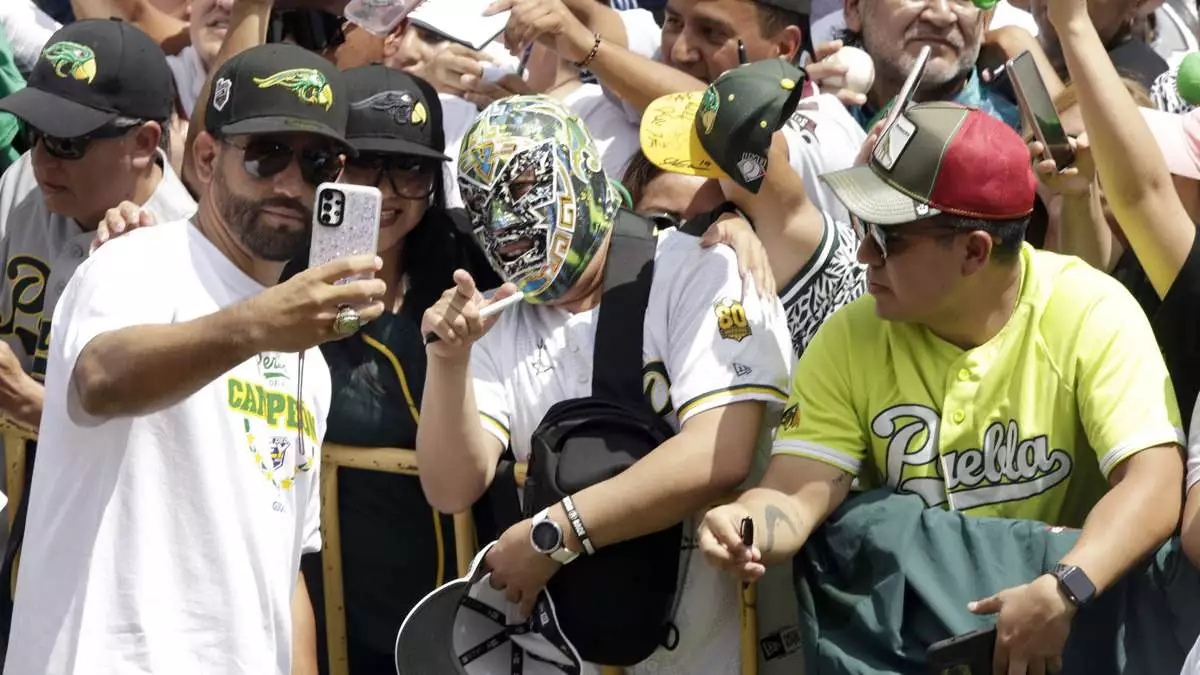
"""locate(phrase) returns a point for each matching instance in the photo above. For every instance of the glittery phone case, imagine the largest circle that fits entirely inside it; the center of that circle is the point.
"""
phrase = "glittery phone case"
(345, 223)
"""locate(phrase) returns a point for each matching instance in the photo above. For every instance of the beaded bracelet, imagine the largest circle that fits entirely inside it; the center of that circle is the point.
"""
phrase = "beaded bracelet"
(591, 55)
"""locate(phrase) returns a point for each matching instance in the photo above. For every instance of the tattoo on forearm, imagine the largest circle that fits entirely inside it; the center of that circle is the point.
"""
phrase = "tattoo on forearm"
(773, 516)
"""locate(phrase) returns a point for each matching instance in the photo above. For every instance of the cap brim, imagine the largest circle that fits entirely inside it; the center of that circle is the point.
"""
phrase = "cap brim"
(395, 146)
(283, 125)
(869, 197)
(669, 139)
(1178, 137)
(422, 646)
(54, 115)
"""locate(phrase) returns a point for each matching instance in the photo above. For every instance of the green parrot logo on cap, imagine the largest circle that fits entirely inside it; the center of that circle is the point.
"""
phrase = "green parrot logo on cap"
(309, 85)
(709, 103)
(70, 59)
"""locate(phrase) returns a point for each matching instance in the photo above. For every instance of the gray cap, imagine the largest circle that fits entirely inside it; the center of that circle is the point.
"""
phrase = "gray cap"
(466, 627)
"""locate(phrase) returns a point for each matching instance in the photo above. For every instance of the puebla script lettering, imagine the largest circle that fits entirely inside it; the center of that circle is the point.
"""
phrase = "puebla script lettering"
(1006, 468)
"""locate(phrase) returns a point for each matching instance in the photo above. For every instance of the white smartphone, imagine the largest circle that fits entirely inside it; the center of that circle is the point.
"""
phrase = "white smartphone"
(345, 223)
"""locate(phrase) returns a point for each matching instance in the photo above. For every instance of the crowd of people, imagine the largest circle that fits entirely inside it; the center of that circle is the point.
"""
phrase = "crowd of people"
(946, 381)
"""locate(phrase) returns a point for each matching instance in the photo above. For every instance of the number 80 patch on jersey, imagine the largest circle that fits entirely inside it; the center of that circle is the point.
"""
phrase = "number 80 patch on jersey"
(731, 320)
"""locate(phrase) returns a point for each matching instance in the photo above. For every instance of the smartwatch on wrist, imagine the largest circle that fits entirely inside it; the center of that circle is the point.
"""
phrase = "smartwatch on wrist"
(546, 537)
(1075, 584)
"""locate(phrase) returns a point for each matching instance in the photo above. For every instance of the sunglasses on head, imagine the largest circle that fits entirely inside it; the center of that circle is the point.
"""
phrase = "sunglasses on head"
(886, 238)
(410, 177)
(76, 147)
(264, 157)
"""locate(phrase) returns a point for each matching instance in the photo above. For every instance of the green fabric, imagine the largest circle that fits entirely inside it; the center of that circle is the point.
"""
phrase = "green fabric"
(885, 577)
(10, 83)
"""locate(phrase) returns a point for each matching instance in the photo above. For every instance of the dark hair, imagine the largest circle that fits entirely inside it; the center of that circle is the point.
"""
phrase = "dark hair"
(849, 38)
(638, 175)
(772, 19)
(1007, 235)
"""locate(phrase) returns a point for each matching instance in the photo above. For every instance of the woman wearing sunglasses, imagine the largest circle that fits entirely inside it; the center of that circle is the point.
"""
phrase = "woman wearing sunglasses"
(390, 535)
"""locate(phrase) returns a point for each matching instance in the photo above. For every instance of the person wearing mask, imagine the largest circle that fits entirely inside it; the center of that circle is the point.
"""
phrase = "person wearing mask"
(490, 382)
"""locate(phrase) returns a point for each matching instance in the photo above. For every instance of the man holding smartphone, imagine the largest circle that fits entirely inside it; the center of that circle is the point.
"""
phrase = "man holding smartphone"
(981, 375)
(185, 404)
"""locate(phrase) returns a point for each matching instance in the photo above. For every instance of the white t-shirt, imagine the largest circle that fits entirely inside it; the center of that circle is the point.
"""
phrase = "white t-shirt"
(189, 73)
(27, 28)
(458, 114)
(699, 354)
(41, 250)
(168, 542)
(616, 137)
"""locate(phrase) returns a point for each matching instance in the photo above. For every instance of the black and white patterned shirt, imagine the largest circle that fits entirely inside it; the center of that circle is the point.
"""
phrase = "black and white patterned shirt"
(831, 278)
(1165, 94)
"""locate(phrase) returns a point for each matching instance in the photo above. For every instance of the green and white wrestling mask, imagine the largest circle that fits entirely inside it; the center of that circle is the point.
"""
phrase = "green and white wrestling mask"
(539, 201)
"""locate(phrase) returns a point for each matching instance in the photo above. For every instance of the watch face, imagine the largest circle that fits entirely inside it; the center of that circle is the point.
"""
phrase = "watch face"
(546, 536)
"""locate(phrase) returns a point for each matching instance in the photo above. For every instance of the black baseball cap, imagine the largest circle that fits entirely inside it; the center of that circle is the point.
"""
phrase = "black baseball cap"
(277, 88)
(724, 130)
(393, 112)
(91, 72)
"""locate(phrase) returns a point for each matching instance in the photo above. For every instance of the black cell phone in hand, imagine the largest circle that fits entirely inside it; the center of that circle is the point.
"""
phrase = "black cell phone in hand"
(966, 654)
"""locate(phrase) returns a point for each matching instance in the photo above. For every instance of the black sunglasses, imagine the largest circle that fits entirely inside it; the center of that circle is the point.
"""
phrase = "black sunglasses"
(886, 238)
(76, 147)
(263, 158)
(410, 177)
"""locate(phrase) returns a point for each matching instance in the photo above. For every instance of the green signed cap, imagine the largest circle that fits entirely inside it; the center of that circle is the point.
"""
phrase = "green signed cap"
(724, 131)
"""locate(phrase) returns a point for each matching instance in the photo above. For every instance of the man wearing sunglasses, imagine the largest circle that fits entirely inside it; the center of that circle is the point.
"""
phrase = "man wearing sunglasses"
(186, 403)
(981, 375)
(94, 112)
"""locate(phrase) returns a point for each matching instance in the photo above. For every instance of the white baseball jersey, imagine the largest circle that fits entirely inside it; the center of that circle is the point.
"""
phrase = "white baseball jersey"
(704, 346)
(41, 250)
(168, 542)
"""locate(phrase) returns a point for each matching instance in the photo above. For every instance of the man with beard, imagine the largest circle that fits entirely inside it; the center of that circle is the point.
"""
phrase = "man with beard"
(714, 364)
(893, 32)
(185, 403)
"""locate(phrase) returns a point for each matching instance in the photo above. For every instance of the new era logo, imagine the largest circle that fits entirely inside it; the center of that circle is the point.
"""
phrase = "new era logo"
(741, 370)
(889, 148)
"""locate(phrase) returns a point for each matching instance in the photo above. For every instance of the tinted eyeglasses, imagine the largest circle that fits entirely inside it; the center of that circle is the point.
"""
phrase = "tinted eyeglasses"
(887, 239)
(77, 147)
(410, 177)
(264, 157)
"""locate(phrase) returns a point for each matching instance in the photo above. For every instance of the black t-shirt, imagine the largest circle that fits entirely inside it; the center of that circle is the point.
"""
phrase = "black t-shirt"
(1177, 328)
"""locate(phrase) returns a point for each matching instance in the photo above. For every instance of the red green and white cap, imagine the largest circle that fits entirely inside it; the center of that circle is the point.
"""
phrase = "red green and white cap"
(940, 157)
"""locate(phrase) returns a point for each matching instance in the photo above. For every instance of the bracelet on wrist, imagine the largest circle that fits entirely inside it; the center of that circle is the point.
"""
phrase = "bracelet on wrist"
(591, 55)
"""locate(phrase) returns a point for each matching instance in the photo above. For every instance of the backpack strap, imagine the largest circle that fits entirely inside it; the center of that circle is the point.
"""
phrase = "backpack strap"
(628, 271)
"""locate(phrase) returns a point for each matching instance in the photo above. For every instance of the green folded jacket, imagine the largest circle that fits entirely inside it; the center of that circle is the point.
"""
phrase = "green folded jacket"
(885, 577)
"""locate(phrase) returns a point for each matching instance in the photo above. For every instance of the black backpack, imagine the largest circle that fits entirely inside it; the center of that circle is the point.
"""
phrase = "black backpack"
(615, 606)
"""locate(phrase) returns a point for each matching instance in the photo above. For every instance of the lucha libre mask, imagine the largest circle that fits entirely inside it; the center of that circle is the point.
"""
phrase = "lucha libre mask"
(532, 184)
